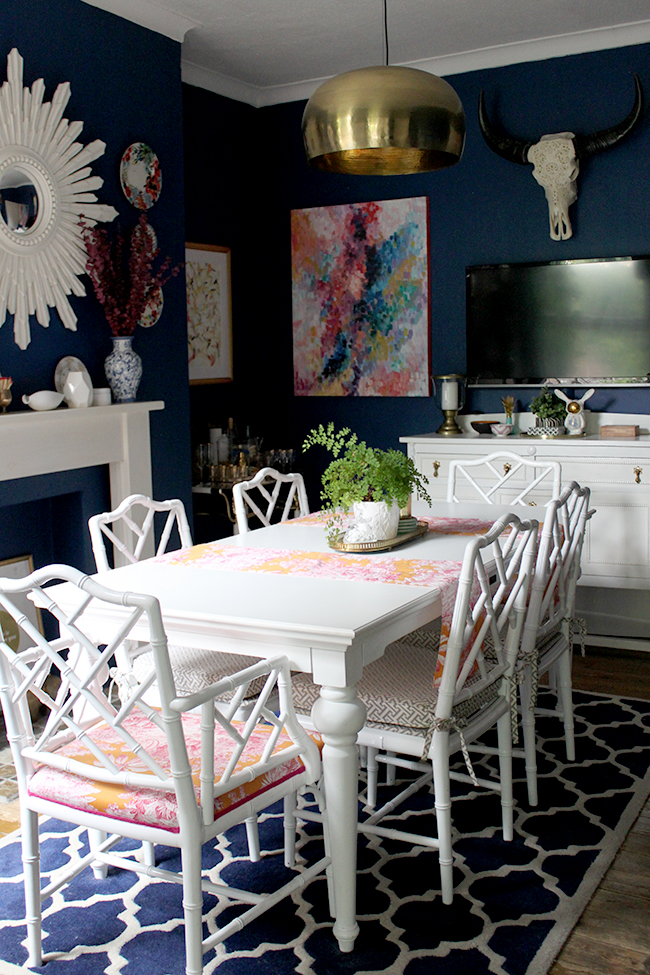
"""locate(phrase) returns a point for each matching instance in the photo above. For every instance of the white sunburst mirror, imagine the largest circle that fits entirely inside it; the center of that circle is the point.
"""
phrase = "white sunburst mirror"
(46, 186)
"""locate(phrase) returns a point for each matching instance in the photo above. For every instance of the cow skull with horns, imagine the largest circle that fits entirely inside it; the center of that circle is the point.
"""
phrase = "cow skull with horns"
(556, 158)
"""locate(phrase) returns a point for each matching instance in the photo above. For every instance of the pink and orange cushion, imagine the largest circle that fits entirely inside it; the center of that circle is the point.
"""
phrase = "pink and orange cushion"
(155, 806)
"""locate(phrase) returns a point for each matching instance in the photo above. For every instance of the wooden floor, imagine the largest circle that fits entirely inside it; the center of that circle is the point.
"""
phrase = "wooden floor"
(613, 935)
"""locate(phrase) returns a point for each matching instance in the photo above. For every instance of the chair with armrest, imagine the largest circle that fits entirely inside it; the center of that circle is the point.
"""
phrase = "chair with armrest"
(128, 528)
(493, 479)
(547, 642)
(265, 492)
(427, 702)
(174, 776)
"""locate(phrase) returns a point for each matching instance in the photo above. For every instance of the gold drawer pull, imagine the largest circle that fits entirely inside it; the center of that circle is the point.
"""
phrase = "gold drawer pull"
(507, 468)
(638, 471)
(436, 465)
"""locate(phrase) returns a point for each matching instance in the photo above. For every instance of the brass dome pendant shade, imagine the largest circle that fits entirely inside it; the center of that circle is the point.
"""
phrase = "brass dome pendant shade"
(384, 121)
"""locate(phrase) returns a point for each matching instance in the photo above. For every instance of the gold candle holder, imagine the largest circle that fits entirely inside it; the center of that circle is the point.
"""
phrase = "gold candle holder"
(5, 392)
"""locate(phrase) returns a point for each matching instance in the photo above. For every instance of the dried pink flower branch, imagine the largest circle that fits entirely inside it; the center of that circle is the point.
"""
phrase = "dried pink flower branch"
(123, 283)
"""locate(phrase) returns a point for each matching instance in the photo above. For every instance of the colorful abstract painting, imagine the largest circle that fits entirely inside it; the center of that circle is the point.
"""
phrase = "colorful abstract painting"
(361, 299)
(209, 326)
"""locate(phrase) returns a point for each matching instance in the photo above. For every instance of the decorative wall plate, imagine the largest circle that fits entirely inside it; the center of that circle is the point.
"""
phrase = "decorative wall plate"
(154, 308)
(140, 175)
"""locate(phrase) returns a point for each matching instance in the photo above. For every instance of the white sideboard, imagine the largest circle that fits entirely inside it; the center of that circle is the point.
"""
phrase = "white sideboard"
(614, 593)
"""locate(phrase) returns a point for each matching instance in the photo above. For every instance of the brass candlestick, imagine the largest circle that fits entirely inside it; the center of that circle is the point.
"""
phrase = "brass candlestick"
(449, 427)
(5, 392)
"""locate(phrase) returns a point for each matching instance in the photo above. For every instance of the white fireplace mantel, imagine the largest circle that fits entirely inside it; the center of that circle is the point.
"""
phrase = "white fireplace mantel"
(33, 443)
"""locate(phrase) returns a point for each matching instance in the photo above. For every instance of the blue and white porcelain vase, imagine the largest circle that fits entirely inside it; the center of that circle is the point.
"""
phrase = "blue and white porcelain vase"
(123, 368)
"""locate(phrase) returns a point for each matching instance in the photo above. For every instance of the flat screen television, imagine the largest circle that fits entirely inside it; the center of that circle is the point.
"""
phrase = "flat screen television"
(565, 320)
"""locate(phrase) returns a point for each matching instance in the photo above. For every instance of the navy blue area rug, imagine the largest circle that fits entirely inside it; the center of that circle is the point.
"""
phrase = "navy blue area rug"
(514, 903)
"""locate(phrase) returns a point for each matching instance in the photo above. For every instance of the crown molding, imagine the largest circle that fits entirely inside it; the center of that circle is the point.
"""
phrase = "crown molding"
(149, 15)
(539, 49)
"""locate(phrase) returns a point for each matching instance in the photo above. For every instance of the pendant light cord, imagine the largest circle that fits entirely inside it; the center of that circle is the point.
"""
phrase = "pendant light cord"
(386, 30)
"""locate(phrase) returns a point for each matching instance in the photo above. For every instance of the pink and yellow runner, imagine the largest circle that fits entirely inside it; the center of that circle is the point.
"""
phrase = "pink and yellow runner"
(376, 568)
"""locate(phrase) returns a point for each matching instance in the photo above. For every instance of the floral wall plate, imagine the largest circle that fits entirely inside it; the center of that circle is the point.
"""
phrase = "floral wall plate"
(154, 308)
(140, 175)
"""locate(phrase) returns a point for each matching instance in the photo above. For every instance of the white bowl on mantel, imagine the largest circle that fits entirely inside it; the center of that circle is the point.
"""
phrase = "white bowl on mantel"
(44, 399)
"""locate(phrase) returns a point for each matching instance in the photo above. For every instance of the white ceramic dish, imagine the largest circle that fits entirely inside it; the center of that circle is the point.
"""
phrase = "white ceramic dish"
(44, 399)
(70, 363)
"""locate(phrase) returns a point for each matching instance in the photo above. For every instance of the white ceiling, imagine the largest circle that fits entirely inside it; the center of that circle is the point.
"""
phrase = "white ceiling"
(269, 51)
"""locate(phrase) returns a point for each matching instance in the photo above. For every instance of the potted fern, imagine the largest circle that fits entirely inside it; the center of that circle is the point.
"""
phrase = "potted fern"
(362, 476)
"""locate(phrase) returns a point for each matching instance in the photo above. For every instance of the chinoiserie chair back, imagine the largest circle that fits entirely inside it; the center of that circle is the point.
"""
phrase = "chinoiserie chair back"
(131, 525)
(266, 494)
(548, 630)
(170, 775)
(127, 528)
(471, 689)
(503, 478)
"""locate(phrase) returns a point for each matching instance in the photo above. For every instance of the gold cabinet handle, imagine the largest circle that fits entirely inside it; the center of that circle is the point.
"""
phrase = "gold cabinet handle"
(436, 465)
(638, 471)
(507, 468)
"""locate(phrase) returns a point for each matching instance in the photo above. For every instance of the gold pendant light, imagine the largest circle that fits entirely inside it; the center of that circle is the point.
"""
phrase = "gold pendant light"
(383, 121)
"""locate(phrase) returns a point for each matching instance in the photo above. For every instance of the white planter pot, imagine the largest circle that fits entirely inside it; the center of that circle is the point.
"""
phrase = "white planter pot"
(374, 521)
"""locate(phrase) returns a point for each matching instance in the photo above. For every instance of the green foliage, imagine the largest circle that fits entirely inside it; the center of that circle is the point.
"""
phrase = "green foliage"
(548, 406)
(362, 473)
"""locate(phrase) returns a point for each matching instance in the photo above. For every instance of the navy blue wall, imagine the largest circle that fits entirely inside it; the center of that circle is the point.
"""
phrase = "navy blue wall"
(484, 210)
(126, 87)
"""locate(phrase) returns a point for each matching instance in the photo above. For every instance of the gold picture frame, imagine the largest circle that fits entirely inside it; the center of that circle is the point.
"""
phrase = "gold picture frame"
(17, 568)
(209, 313)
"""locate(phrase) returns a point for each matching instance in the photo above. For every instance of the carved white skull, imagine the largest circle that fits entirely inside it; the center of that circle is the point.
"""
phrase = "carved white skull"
(556, 169)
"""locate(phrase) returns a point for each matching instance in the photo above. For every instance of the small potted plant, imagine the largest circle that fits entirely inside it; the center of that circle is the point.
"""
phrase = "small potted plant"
(549, 413)
(360, 475)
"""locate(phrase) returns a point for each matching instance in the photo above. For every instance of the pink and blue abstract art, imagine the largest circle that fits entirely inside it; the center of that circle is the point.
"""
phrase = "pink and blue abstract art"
(361, 299)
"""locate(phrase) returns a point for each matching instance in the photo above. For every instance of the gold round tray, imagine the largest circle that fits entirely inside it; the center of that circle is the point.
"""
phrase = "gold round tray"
(340, 546)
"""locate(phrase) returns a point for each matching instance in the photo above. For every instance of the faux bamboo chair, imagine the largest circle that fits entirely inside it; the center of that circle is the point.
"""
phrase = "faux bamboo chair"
(465, 685)
(547, 643)
(193, 669)
(259, 497)
(164, 776)
(493, 478)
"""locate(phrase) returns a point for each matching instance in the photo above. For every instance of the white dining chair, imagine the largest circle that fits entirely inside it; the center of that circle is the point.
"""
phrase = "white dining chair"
(427, 702)
(267, 491)
(547, 642)
(171, 776)
(496, 479)
(193, 669)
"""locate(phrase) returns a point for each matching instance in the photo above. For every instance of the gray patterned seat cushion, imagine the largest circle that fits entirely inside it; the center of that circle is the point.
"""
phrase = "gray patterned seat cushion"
(397, 689)
(196, 669)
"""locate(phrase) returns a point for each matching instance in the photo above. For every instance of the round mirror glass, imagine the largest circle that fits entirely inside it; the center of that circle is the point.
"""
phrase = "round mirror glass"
(18, 201)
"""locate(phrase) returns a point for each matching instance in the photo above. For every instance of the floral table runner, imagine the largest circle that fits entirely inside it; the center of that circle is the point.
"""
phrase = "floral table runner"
(384, 569)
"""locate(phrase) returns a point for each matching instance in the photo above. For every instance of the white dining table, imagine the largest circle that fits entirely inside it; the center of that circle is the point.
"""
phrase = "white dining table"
(330, 628)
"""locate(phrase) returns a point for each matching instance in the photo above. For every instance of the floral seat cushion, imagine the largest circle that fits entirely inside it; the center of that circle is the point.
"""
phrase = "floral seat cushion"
(155, 807)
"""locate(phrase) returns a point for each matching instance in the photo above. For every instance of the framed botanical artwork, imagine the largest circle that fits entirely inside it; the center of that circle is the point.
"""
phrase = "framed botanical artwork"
(18, 568)
(209, 313)
(360, 289)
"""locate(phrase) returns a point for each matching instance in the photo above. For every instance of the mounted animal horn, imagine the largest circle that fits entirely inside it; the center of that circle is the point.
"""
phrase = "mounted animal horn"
(556, 158)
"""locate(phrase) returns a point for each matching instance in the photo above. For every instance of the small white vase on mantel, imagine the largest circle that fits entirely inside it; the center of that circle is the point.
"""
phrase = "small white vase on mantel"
(123, 368)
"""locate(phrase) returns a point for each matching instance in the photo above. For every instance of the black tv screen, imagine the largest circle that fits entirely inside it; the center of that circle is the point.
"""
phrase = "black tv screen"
(565, 320)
